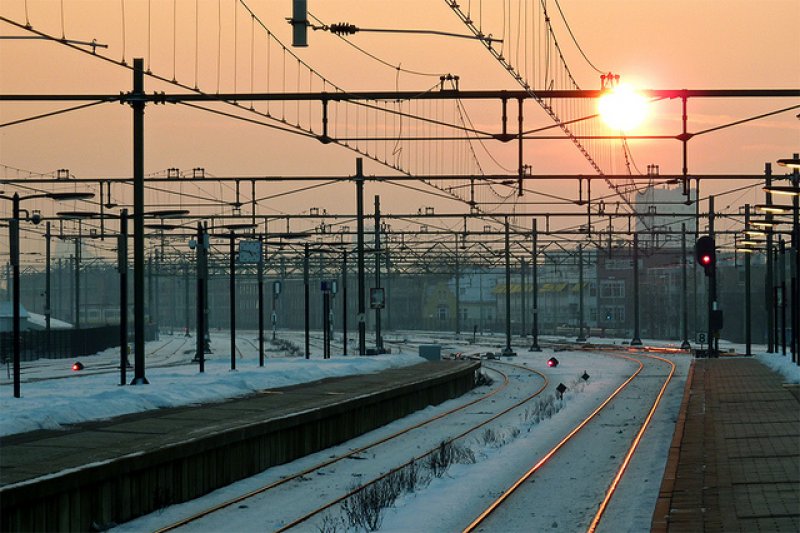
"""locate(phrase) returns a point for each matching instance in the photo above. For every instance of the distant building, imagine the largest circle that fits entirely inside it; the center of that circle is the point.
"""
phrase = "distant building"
(657, 207)
(7, 317)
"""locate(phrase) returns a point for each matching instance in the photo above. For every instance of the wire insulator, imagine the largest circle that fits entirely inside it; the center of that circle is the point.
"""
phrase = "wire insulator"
(343, 28)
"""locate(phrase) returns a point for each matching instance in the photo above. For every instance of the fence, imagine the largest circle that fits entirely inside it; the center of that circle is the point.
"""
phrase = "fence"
(64, 343)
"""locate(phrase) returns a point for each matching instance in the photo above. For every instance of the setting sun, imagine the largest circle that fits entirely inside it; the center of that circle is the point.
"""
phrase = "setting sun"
(622, 108)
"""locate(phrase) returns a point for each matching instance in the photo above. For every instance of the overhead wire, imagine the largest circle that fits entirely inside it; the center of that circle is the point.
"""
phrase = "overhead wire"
(397, 67)
(745, 120)
(575, 40)
(53, 113)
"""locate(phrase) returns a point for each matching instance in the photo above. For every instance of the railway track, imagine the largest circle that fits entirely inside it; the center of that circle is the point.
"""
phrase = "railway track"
(374, 447)
(498, 515)
(519, 498)
(160, 357)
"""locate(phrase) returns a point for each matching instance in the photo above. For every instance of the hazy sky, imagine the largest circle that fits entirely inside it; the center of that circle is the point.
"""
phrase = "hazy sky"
(673, 44)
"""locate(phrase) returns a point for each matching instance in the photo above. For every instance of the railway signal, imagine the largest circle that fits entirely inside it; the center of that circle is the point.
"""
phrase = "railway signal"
(705, 254)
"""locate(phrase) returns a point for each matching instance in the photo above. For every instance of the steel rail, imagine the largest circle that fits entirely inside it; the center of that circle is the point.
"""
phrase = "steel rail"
(508, 492)
(107, 368)
(634, 446)
(351, 493)
(324, 464)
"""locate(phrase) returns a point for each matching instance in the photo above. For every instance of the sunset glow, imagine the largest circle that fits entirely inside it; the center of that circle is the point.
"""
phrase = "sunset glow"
(622, 108)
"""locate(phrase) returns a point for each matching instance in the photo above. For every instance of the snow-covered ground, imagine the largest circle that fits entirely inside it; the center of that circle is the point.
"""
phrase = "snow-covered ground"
(53, 403)
(72, 397)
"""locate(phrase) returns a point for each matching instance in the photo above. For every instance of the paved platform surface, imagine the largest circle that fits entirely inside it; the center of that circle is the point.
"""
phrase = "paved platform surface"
(30, 455)
(734, 464)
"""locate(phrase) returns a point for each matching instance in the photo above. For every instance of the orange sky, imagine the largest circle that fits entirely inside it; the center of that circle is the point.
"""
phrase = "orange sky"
(662, 45)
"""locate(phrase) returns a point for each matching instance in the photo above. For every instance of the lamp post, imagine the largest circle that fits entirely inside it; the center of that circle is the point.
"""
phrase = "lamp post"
(13, 227)
(794, 190)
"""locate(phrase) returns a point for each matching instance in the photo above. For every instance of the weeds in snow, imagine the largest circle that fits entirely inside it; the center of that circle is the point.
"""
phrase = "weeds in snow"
(482, 379)
(364, 509)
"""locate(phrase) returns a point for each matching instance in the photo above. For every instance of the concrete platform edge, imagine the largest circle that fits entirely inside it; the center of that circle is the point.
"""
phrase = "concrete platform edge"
(116, 491)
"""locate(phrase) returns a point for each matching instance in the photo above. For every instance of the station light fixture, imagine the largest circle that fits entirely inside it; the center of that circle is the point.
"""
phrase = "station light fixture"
(763, 223)
(76, 215)
(167, 213)
(784, 190)
(790, 162)
(775, 209)
(552, 362)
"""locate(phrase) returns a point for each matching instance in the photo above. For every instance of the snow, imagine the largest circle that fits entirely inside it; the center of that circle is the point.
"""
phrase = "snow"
(781, 364)
(40, 320)
(54, 403)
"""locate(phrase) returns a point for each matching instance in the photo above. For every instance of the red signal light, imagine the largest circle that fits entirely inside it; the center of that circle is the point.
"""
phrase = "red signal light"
(77, 365)
(706, 254)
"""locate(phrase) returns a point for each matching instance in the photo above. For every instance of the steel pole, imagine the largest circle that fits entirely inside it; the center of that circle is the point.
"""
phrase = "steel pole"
(712, 284)
(458, 290)
(685, 345)
(157, 289)
(274, 315)
(306, 300)
(77, 275)
(122, 266)
(524, 319)
(748, 331)
(232, 297)
(387, 289)
(16, 325)
(137, 104)
(200, 304)
(378, 337)
(362, 326)
(507, 350)
(47, 311)
(260, 300)
(769, 283)
(581, 309)
(636, 341)
(535, 289)
(186, 315)
(344, 302)
(795, 259)
(782, 292)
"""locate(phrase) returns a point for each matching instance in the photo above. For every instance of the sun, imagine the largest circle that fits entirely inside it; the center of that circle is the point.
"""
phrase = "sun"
(622, 108)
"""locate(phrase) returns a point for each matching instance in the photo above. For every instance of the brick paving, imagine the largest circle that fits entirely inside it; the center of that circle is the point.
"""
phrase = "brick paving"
(734, 463)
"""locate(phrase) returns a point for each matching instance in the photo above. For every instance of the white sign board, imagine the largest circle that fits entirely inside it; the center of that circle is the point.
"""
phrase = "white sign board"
(249, 252)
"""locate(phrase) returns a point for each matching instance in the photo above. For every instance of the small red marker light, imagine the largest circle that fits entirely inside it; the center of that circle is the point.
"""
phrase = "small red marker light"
(77, 365)
(706, 259)
(552, 362)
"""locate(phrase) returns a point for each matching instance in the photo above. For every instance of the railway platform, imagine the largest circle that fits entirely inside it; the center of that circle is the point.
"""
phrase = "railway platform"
(96, 474)
(734, 462)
